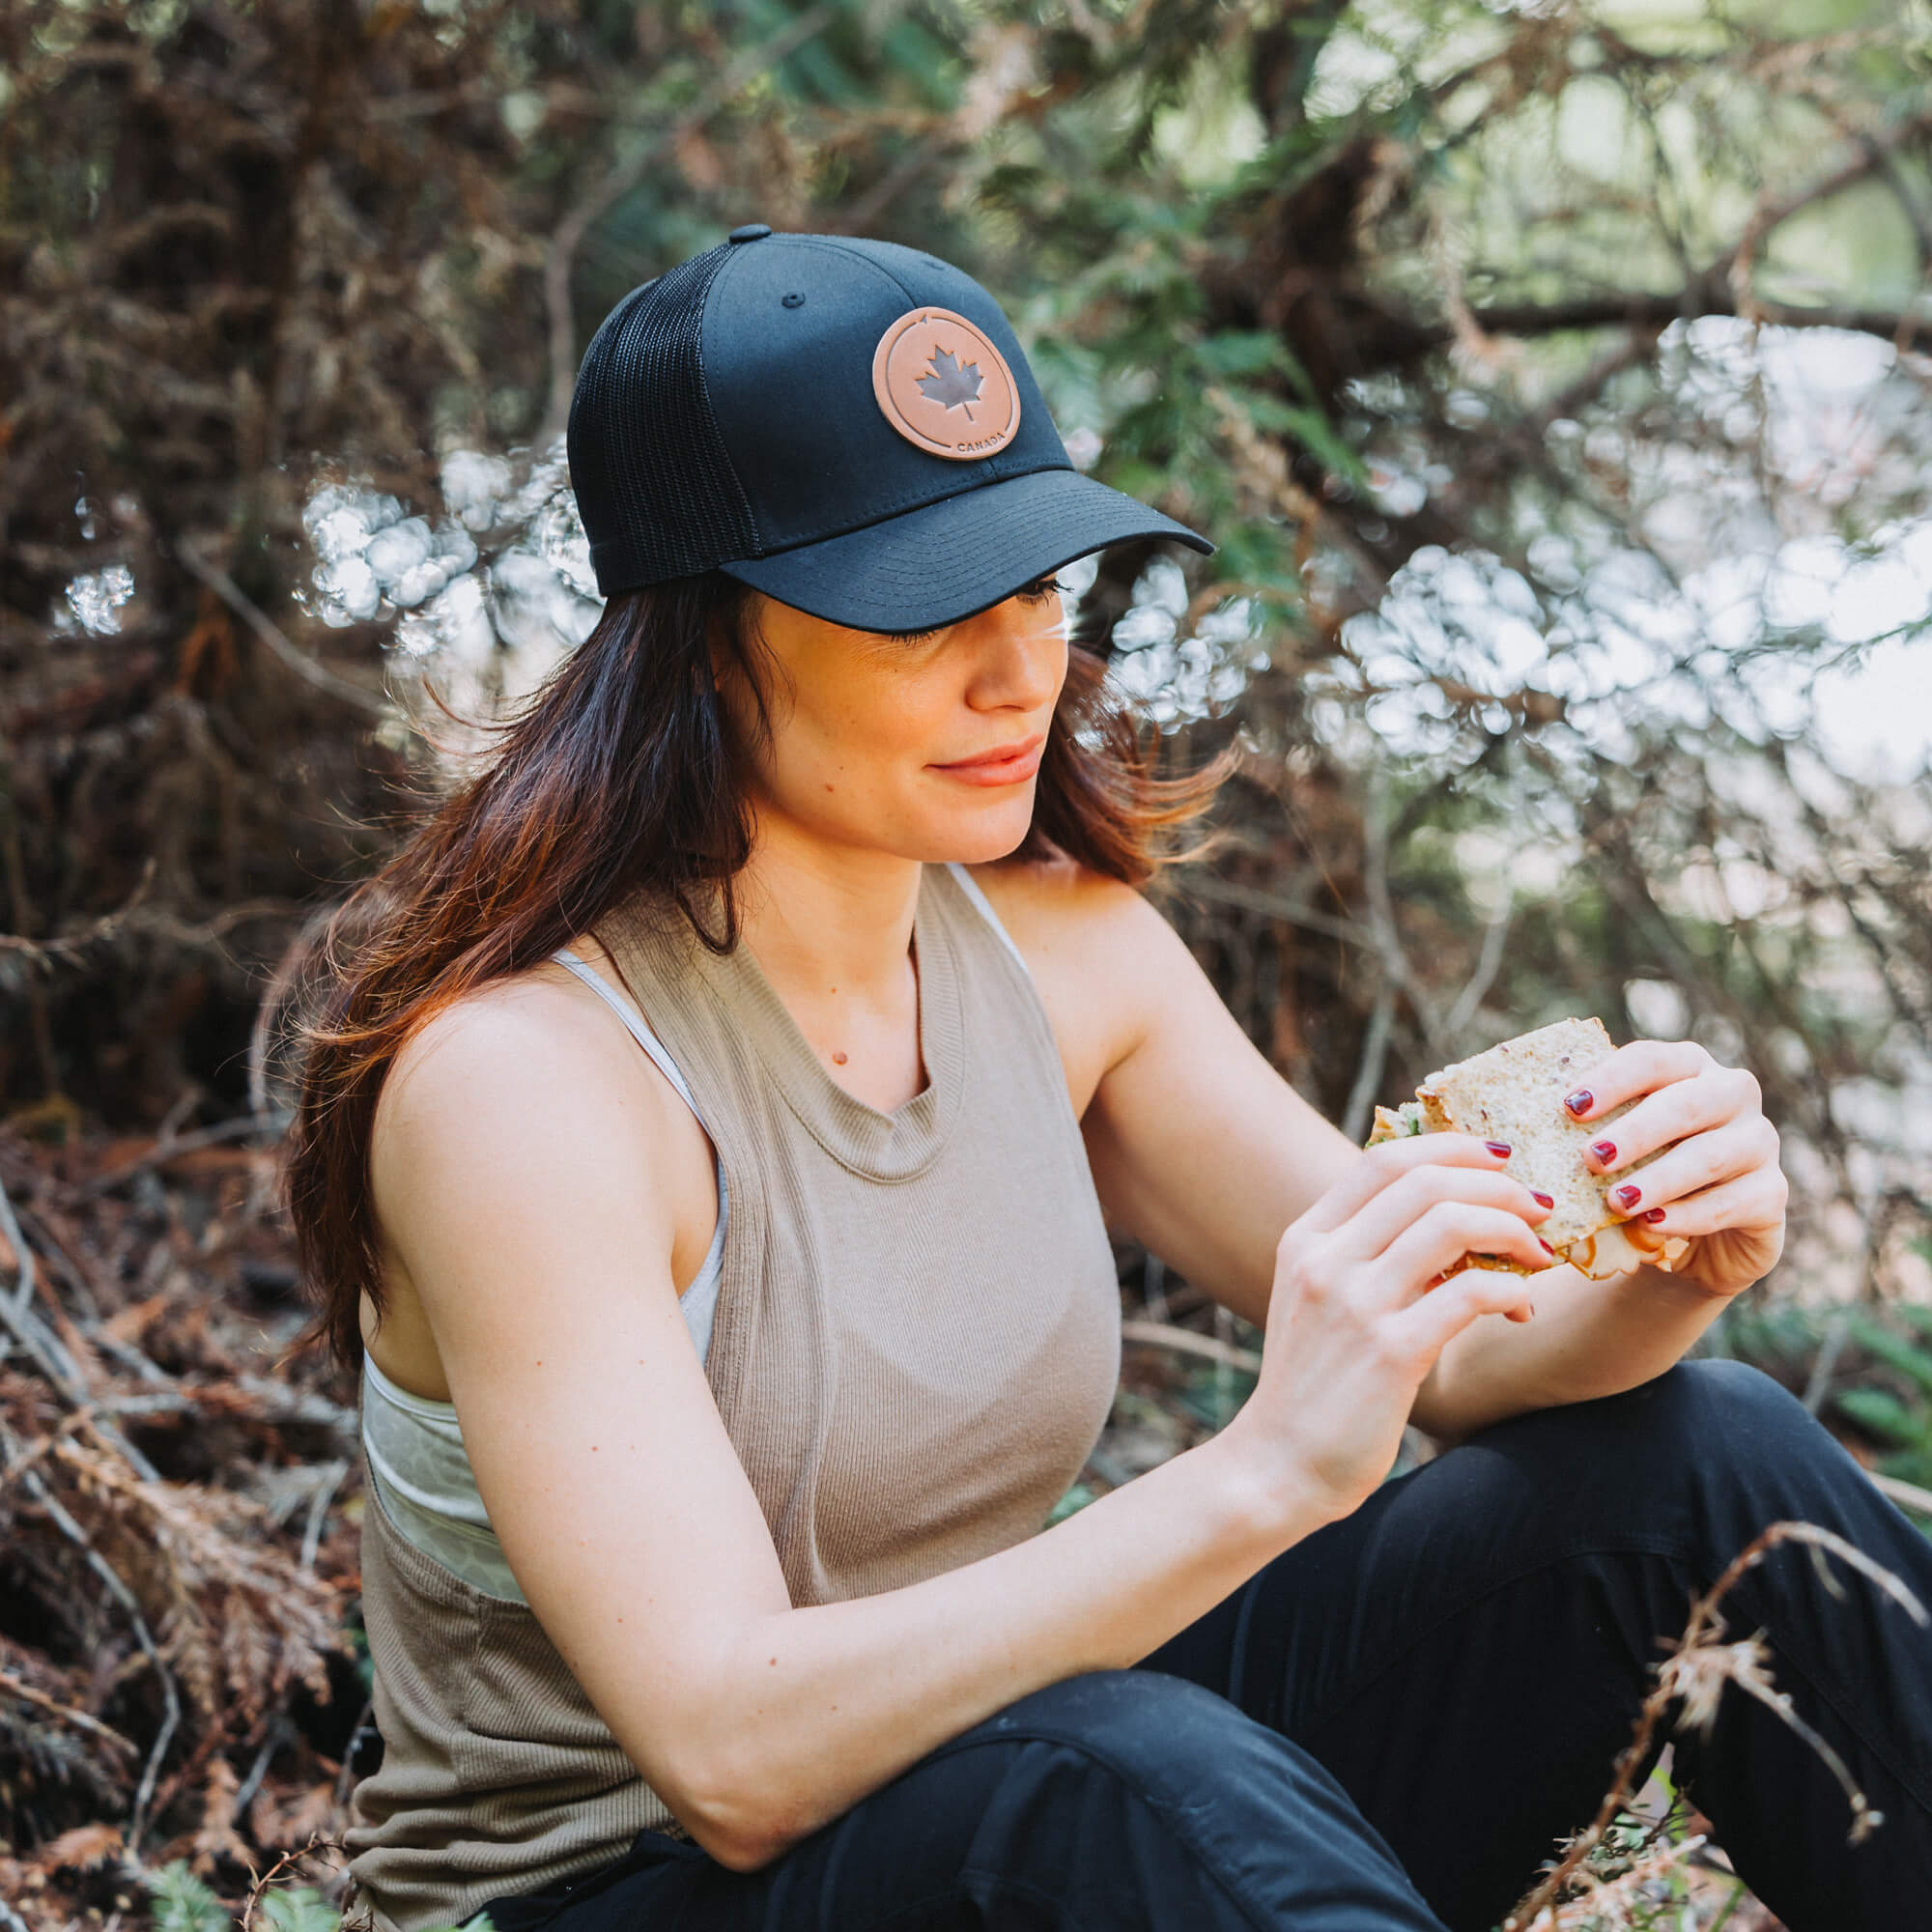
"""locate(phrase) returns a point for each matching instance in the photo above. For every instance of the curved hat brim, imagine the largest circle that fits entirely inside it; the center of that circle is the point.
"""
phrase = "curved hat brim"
(945, 560)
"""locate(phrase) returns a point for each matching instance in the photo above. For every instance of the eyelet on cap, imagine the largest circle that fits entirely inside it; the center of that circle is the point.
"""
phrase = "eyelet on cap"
(752, 231)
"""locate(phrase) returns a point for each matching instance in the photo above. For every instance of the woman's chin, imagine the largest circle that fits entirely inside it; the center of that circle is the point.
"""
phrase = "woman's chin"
(978, 839)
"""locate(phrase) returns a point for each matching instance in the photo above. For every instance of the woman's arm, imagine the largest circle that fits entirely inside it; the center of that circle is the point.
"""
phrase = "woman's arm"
(513, 1170)
(1202, 1151)
(1199, 1150)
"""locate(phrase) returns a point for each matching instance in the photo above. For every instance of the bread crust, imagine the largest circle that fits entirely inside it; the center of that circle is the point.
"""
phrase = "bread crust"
(1514, 1093)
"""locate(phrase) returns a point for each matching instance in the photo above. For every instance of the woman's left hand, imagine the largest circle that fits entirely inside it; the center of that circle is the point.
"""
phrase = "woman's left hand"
(1719, 1186)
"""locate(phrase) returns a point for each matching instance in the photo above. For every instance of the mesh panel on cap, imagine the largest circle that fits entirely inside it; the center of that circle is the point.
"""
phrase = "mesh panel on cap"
(656, 491)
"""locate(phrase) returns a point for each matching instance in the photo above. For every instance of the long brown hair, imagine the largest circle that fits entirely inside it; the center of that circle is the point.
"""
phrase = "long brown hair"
(619, 775)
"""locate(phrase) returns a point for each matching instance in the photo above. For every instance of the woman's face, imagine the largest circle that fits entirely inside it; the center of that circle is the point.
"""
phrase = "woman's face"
(863, 725)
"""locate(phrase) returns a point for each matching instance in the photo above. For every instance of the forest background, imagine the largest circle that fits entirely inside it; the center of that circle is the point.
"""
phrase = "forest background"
(1555, 378)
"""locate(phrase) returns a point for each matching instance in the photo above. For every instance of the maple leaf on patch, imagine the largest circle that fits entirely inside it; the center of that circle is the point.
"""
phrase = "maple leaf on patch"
(949, 384)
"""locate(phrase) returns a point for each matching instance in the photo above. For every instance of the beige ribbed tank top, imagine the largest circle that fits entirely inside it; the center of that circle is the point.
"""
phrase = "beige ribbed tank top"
(915, 1343)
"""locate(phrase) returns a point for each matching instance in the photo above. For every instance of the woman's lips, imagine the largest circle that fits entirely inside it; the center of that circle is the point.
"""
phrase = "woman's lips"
(998, 771)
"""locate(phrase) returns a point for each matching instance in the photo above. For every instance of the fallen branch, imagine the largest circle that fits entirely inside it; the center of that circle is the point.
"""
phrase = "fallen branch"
(1185, 1342)
(1908, 1496)
(277, 1406)
(51, 1357)
(330, 1478)
(170, 1145)
(22, 1293)
(65, 1714)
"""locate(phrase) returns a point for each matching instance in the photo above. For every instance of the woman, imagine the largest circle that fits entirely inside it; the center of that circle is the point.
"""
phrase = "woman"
(728, 1604)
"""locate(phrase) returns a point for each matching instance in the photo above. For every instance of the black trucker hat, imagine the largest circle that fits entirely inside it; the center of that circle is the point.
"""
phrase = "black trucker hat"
(846, 425)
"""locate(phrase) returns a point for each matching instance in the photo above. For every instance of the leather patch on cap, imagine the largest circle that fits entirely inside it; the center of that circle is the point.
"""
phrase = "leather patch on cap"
(943, 386)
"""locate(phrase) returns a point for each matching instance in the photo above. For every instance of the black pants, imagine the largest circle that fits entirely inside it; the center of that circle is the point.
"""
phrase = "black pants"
(1393, 1724)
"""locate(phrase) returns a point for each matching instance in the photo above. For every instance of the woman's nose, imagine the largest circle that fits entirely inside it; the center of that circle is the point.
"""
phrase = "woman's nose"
(1023, 653)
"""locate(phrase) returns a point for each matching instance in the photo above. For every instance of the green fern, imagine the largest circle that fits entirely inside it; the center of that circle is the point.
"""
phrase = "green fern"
(299, 1908)
(1883, 1414)
(1884, 1341)
(1076, 1498)
(184, 1903)
(1903, 1421)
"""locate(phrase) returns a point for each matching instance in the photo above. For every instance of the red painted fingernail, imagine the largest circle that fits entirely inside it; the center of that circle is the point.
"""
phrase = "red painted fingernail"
(1627, 1197)
(1579, 1102)
(1653, 1213)
(1547, 1248)
(1543, 1200)
(1604, 1151)
(1500, 1149)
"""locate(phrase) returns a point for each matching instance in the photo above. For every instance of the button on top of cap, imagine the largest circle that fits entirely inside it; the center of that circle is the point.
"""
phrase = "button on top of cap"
(753, 231)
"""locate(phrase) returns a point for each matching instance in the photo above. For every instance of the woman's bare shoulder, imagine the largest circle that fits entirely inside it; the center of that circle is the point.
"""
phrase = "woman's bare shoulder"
(496, 1042)
(1057, 905)
(1052, 887)
(498, 1081)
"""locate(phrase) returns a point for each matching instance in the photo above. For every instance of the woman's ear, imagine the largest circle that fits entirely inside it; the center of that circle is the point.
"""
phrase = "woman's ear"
(743, 670)
(717, 650)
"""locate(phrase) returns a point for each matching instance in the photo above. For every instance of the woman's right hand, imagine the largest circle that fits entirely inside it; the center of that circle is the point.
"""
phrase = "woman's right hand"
(1358, 1313)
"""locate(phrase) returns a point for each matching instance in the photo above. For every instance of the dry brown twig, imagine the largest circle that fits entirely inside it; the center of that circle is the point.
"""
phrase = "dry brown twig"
(1696, 1671)
(316, 1842)
(1185, 1342)
(65, 1714)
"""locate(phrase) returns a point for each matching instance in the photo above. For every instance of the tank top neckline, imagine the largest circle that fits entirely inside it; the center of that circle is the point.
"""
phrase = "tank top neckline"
(898, 1146)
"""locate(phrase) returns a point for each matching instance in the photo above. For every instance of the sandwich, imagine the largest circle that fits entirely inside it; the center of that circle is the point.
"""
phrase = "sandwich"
(1514, 1093)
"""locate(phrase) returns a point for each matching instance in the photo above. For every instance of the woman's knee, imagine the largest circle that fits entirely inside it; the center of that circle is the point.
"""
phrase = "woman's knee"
(1136, 1723)
(1149, 1782)
(1168, 1741)
(1726, 1400)
(1695, 1411)
(1699, 1458)
(1715, 1421)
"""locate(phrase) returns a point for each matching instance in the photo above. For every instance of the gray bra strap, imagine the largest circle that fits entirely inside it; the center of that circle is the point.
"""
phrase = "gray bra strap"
(632, 1018)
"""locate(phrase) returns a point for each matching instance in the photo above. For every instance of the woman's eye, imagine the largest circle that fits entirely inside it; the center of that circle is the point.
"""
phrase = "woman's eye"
(1035, 592)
